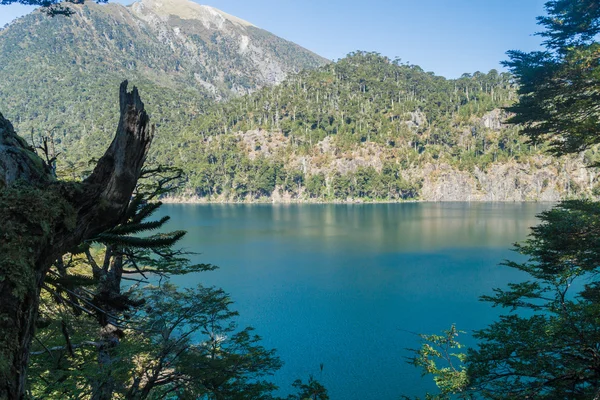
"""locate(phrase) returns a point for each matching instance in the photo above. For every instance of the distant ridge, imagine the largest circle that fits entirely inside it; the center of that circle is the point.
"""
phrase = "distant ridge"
(186, 9)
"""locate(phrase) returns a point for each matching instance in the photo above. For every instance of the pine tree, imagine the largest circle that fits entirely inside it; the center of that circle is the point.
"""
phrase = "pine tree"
(559, 88)
(546, 345)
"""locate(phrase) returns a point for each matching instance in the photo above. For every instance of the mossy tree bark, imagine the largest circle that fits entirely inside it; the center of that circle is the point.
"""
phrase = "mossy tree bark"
(41, 219)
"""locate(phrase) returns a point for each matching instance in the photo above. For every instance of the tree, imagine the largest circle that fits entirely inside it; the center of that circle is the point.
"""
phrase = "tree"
(193, 349)
(546, 347)
(146, 341)
(559, 88)
(182, 343)
(129, 249)
(104, 339)
(440, 356)
(50, 7)
(549, 349)
(43, 218)
(311, 390)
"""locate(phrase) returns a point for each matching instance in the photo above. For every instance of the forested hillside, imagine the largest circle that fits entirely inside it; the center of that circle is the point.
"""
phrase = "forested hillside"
(60, 75)
(365, 128)
(370, 128)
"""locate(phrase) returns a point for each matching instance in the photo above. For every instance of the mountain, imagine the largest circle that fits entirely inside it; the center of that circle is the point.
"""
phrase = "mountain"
(220, 52)
(369, 128)
(251, 117)
(61, 74)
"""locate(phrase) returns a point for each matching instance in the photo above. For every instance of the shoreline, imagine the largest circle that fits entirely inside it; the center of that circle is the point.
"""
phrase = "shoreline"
(202, 200)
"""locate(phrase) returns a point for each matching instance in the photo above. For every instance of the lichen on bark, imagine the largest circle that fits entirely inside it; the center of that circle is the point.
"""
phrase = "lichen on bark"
(29, 216)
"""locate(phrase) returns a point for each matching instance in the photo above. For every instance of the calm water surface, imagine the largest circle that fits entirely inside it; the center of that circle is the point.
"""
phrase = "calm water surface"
(344, 285)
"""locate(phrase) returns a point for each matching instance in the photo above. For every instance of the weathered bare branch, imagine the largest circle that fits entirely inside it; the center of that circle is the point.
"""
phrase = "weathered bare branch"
(41, 219)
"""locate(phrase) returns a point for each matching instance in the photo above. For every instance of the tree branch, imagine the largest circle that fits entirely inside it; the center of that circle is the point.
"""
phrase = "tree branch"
(42, 219)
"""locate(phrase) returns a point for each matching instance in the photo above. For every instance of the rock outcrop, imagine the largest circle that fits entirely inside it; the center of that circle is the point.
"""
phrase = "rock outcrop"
(540, 178)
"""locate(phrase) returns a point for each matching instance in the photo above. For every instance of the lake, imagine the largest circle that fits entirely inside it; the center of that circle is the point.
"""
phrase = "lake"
(345, 285)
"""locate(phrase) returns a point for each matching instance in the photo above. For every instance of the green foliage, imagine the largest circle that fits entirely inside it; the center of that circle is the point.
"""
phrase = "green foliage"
(363, 97)
(311, 390)
(182, 343)
(362, 104)
(50, 7)
(57, 75)
(341, 117)
(316, 186)
(192, 332)
(100, 338)
(441, 356)
(560, 87)
(545, 351)
(336, 119)
(160, 240)
(544, 348)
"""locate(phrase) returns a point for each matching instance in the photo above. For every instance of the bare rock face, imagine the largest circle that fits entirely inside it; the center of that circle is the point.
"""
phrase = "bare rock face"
(494, 119)
(206, 37)
(541, 178)
(184, 9)
(260, 143)
(442, 183)
(417, 119)
(544, 179)
(429, 176)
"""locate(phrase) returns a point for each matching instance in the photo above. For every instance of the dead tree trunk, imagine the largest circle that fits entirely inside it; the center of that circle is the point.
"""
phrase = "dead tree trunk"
(110, 336)
(41, 219)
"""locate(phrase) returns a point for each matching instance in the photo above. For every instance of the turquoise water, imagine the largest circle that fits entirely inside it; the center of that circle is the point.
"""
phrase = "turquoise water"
(345, 285)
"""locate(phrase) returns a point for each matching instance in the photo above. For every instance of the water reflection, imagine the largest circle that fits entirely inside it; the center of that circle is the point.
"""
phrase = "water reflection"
(382, 227)
(341, 284)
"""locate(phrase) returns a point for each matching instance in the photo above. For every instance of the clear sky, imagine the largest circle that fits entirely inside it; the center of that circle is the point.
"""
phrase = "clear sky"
(448, 37)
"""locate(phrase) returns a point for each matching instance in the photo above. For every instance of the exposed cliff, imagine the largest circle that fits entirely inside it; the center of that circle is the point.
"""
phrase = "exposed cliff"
(539, 177)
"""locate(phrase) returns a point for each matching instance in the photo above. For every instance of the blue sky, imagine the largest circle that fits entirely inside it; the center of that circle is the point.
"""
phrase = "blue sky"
(448, 37)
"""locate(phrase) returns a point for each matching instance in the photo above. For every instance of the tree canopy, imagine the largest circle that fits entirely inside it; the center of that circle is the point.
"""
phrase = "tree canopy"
(546, 345)
(43, 218)
(559, 88)
(50, 7)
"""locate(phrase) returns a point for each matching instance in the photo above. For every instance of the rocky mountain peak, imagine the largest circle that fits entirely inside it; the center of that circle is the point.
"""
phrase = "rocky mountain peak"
(188, 10)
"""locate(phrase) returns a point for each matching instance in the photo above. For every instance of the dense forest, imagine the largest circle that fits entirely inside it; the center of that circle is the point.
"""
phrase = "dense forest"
(365, 127)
